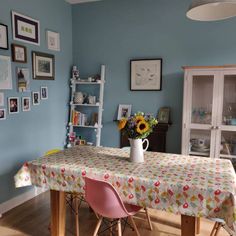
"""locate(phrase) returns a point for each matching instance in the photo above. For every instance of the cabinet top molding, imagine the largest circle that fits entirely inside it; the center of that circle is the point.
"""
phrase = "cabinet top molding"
(208, 67)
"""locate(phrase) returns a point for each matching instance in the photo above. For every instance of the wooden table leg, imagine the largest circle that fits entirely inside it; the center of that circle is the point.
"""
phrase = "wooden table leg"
(58, 213)
(188, 225)
(198, 222)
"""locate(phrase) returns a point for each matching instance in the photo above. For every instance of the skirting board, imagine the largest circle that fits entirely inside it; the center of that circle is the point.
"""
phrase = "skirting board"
(16, 201)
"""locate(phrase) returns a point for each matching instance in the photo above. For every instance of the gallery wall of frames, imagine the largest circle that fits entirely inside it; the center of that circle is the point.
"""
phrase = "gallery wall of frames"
(25, 30)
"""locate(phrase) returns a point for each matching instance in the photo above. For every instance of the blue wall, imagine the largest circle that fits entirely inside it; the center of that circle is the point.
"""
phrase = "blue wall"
(28, 135)
(114, 31)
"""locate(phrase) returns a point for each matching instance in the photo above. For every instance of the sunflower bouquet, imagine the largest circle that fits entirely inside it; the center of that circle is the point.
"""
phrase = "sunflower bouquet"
(137, 126)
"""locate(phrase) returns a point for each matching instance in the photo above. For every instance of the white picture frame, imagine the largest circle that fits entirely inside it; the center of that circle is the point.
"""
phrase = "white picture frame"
(4, 37)
(124, 111)
(3, 114)
(5, 73)
(25, 29)
(26, 104)
(44, 93)
(13, 105)
(36, 98)
(1, 99)
(146, 75)
(53, 40)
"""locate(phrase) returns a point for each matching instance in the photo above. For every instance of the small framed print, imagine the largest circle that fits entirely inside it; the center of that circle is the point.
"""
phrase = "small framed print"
(53, 40)
(124, 111)
(36, 98)
(1, 99)
(44, 93)
(2, 114)
(43, 66)
(19, 53)
(146, 75)
(164, 115)
(4, 37)
(25, 29)
(26, 104)
(13, 105)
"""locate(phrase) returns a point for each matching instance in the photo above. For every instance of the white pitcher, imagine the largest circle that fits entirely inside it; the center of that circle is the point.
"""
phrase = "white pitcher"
(136, 150)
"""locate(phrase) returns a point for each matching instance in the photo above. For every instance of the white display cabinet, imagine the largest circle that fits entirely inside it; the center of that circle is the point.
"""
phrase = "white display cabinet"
(209, 112)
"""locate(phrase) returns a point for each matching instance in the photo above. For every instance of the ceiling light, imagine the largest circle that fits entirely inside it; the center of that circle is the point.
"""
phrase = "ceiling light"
(211, 10)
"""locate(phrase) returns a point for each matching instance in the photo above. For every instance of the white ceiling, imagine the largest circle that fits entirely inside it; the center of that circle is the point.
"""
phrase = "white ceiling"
(80, 1)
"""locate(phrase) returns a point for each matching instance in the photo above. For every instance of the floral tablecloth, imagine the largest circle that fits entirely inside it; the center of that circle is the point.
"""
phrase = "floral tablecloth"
(194, 186)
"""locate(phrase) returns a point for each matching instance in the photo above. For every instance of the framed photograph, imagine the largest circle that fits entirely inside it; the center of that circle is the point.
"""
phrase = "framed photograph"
(124, 111)
(43, 66)
(25, 29)
(146, 75)
(36, 98)
(25, 104)
(53, 40)
(13, 105)
(2, 114)
(23, 79)
(4, 37)
(1, 99)
(44, 93)
(164, 115)
(5, 73)
(19, 53)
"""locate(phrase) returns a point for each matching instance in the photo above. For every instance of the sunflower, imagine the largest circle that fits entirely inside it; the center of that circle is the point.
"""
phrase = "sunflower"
(142, 127)
(122, 123)
(139, 118)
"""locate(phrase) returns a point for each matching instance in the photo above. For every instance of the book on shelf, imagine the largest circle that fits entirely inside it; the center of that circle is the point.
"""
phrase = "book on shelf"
(78, 118)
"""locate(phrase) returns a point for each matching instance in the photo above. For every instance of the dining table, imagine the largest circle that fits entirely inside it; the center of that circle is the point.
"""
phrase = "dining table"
(190, 186)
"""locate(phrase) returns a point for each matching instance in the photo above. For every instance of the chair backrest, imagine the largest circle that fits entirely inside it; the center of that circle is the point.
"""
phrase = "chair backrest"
(104, 199)
(53, 151)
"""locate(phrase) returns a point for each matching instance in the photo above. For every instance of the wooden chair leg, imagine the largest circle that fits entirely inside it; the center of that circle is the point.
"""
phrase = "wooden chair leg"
(111, 229)
(218, 229)
(134, 225)
(119, 228)
(148, 218)
(97, 226)
(76, 205)
(198, 226)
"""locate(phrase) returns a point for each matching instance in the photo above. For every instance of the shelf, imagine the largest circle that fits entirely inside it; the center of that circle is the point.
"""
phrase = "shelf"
(228, 156)
(86, 82)
(85, 105)
(200, 126)
(206, 154)
(87, 126)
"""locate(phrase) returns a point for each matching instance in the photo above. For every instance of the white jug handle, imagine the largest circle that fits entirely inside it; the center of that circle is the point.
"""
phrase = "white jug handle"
(146, 140)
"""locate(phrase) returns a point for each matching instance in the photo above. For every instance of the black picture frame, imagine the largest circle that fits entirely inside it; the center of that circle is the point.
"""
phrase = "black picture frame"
(155, 64)
(15, 58)
(164, 115)
(2, 27)
(44, 66)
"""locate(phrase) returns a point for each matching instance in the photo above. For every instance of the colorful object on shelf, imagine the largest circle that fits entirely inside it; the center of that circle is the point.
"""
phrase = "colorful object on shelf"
(196, 186)
(75, 72)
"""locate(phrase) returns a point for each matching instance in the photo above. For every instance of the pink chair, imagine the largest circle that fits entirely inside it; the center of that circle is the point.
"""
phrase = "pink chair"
(105, 201)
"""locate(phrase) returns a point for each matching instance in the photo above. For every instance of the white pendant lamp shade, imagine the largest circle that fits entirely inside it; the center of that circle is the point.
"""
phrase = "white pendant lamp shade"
(211, 10)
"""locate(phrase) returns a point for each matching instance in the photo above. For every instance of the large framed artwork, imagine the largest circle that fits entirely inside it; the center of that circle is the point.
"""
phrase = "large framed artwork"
(4, 37)
(146, 74)
(25, 29)
(5, 73)
(43, 66)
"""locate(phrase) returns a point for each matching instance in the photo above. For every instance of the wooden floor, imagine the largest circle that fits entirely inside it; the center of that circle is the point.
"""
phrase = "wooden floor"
(32, 218)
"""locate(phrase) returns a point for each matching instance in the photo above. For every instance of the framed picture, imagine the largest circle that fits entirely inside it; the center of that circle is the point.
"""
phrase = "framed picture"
(36, 98)
(25, 29)
(53, 40)
(164, 115)
(2, 114)
(43, 66)
(25, 104)
(1, 99)
(13, 105)
(4, 37)
(146, 75)
(44, 93)
(124, 111)
(19, 53)
(23, 78)
(5, 73)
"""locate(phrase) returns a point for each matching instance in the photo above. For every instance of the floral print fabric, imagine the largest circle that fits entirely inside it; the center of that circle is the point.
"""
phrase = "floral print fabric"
(194, 186)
